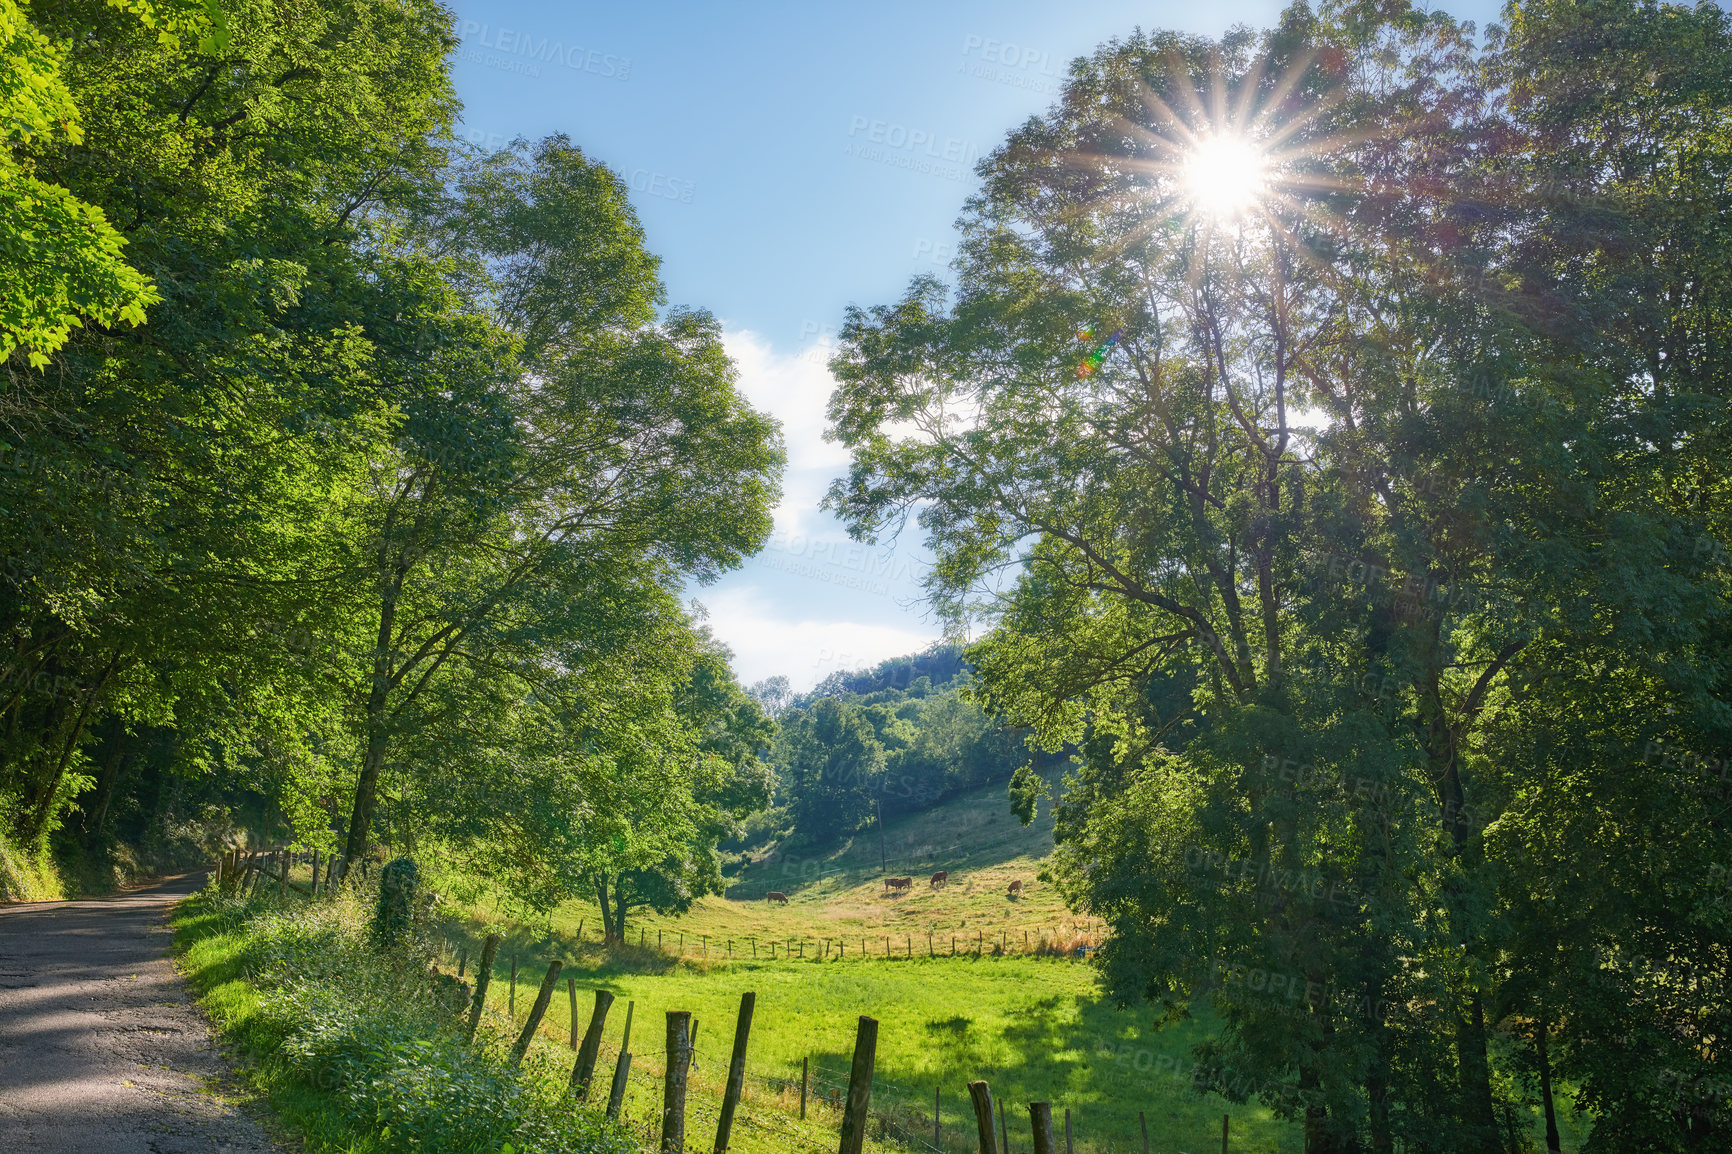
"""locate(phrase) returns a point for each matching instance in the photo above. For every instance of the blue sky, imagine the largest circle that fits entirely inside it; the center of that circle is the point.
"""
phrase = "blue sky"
(787, 160)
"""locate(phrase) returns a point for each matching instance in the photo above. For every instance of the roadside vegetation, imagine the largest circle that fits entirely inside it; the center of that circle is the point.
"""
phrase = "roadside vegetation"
(357, 1049)
(1321, 435)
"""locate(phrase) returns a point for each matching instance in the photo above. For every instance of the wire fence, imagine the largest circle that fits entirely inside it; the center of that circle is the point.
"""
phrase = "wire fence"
(1077, 938)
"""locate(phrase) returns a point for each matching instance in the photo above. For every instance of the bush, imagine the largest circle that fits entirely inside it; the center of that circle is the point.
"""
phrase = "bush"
(394, 915)
(376, 1032)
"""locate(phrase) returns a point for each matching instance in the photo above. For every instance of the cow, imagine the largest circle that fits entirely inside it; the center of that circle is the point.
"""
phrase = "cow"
(1016, 889)
(899, 883)
(941, 878)
(776, 896)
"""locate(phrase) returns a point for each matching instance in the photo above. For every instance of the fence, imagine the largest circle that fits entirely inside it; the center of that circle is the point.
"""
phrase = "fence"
(1072, 938)
(670, 1111)
(811, 1108)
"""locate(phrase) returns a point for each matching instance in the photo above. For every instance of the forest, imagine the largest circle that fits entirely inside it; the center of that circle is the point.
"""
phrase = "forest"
(1321, 440)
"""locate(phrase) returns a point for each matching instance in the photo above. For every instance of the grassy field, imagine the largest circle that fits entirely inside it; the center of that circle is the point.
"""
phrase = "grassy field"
(1034, 1027)
(836, 897)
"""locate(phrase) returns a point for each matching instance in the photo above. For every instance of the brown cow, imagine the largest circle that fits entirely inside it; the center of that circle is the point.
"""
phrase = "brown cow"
(776, 896)
(1016, 888)
(942, 877)
(899, 883)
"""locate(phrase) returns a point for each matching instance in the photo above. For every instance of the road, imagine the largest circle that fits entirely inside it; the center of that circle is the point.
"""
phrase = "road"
(101, 1050)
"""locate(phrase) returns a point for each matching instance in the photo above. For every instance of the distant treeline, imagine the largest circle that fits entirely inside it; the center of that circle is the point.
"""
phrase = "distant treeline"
(897, 738)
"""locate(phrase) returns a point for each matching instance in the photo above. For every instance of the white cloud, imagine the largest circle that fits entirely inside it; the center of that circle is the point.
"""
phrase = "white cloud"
(767, 641)
(794, 388)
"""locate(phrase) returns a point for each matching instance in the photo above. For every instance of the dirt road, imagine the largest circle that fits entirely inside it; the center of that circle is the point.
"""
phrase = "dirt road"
(100, 1048)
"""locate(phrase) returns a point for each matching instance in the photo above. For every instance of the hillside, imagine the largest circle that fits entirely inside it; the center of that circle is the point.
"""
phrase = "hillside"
(838, 892)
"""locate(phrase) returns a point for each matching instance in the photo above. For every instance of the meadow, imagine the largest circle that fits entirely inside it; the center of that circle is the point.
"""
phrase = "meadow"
(1034, 1026)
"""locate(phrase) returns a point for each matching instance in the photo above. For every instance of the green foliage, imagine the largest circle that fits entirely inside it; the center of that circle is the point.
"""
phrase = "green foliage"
(1026, 790)
(366, 1034)
(397, 904)
(60, 259)
(1344, 694)
(379, 526)
(920, 711)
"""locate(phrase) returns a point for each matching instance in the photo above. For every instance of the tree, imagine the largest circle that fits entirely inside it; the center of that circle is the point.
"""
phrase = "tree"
(60, 259)
(525, 491)
(833, 768)
(1296, 664)
(174, 489)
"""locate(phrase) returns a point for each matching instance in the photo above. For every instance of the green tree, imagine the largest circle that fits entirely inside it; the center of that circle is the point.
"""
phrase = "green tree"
(832, 766)
(175, 490)
(613, 453)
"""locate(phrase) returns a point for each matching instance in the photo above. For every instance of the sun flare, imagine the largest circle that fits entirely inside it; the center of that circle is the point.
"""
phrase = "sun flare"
(1225, 176)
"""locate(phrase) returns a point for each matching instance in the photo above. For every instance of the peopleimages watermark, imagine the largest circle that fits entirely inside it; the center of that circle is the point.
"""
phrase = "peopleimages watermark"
(914, 149)
(512, 50)
(837, 562)
(643, 180)
(660, 184)
(1002, 62)
(933, 252)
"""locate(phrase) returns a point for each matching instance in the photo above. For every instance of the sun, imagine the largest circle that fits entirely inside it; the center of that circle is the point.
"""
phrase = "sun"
(1225, 175)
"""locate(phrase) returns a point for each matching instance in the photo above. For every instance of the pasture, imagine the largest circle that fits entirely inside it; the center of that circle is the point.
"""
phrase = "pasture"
(1036, 1028)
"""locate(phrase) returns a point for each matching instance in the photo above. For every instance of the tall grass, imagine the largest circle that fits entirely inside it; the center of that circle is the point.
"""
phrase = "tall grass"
(361, 1047)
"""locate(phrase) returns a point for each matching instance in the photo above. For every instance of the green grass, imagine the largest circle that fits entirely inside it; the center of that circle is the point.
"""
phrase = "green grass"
(211, 949)
(1036, 1029)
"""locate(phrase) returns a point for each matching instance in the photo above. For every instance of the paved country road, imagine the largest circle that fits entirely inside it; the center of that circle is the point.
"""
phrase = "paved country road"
(101, 1051)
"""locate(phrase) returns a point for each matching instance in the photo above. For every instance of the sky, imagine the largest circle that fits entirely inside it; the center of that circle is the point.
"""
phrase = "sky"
(786, 161)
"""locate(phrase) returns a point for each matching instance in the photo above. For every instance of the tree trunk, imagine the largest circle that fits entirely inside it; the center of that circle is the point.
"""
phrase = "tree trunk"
(602, 904)
(98, 816)
(1317, 1136)
(1553, 1146)
(620, 907)
(43, 808)
(1479, 1120)
(366, 794)
(378, 697)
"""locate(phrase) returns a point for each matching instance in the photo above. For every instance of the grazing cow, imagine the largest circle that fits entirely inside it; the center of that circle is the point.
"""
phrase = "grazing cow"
(942, 877)
(899, 883)
(1016, 888)
(776, 896)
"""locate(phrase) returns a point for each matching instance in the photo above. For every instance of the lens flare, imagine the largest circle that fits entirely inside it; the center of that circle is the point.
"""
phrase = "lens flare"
(1225, 176)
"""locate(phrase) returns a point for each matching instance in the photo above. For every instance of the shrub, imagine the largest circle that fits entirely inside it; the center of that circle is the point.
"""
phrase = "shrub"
(394, 915)
(377, 1033)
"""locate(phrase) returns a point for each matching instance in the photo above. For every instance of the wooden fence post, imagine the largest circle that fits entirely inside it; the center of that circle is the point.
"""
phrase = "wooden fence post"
(283, 861)
(736, 1072)
(1067, 1149)
(859, 1086)
(622, 1068)
(1225, 1118)
(1040, 1118)
(583, 1070)
(571, 998)
(805, 1073)
(980, 1094)
(483, 976)
(1145, 1125)
(536, 1012)
(674, 1086)
(622, 1071)
(936, 1092)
